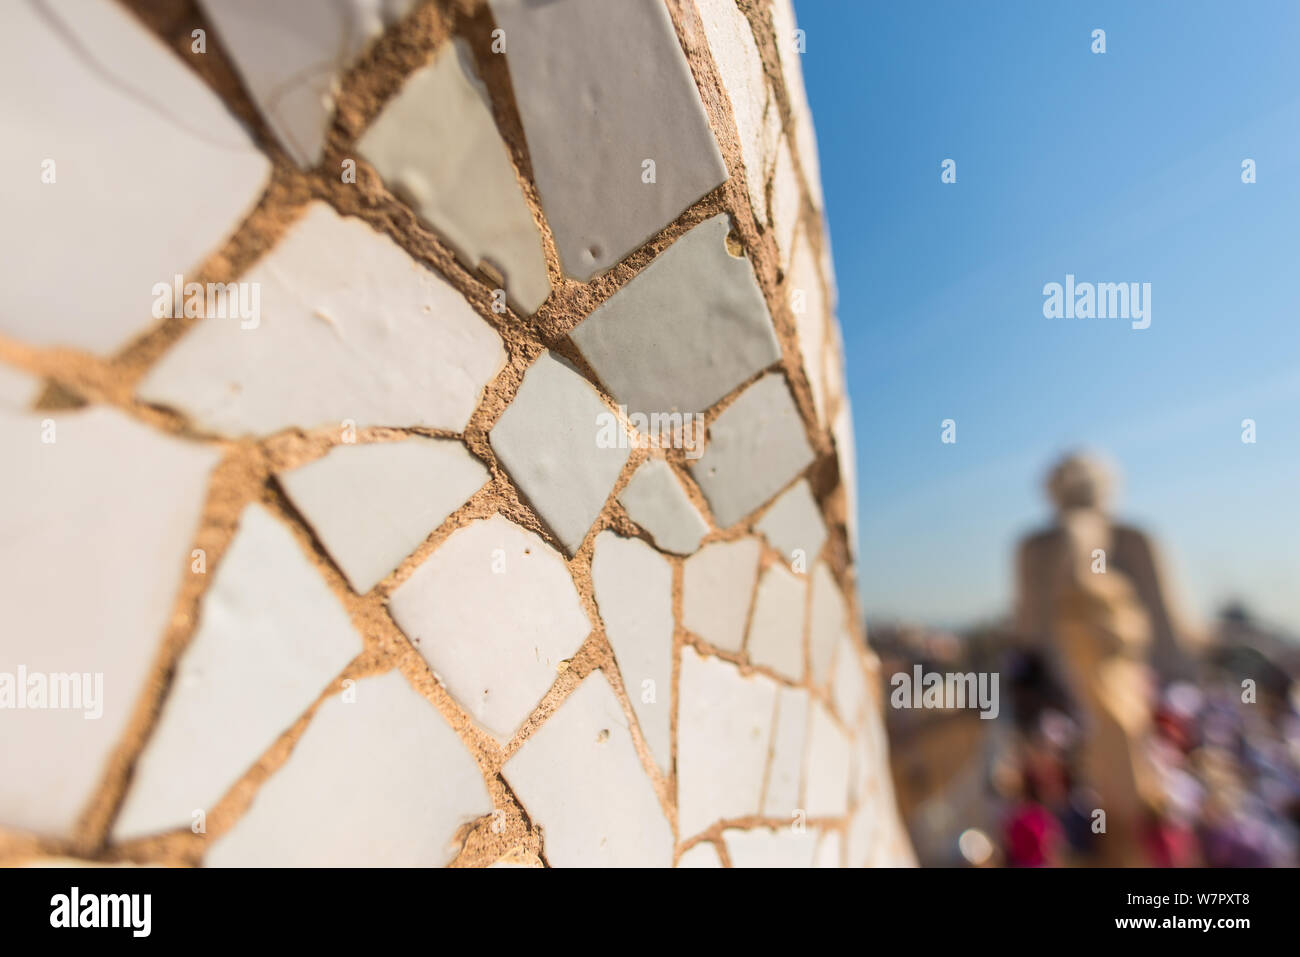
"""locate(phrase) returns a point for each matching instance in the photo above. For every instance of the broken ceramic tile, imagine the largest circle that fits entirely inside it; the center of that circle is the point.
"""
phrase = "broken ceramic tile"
(655, 500)
(717, 587)
(436, 146)
(399, 805)
(372, 505)
(787, 202)
(864, 835)
(616, 132)
(634, 593)
(827, 619)
(794, 526)
(270, 639)
(61, 471)
(686, 331)
(291, 55)
(494, 613)
(826, 766)
(757, 113)
(829, 849)
(703, 854)
(776, 629)
(781, 799)
(803, 292)
(80, 168)
(848, 686)
(847, 455)
(791, 45)
(723, 727)
(601, 811)
(551, 439)
(350, 331)
(756, 446)
(766, 847)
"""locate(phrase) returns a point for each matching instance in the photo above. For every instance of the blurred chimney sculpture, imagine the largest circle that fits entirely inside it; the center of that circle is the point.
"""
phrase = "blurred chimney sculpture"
(433, 560)
(1089, 596)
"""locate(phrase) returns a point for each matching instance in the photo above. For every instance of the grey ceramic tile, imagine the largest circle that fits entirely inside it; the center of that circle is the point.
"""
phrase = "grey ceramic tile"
(756, 446)
(686, 331)
(655, 500)
(437, 147)
(595, 108)
(548, 439)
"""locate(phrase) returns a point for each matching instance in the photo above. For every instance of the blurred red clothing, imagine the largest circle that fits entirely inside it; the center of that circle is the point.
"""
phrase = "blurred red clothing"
(1034, 836)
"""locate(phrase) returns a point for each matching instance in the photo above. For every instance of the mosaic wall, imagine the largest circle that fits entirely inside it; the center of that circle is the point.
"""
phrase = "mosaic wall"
(425, 441)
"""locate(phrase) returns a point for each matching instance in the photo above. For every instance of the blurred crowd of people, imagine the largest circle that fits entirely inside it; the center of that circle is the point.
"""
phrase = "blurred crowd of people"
(1224, 788)
(1137, 745)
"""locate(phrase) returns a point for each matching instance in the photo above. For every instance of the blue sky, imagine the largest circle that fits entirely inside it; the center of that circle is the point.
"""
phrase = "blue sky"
(1116, 167)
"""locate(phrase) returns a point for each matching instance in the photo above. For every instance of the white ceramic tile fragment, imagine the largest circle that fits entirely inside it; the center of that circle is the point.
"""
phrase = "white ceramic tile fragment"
(848, 685)
(291, 55)
(787, 200)
(866, 765)
(717, 589)
(723, 728)
(829, 849)
(634, 593)
(18, 389)
(379, 781)
(551, 441)
(687, 330)
(827, 766)
(494, 612)
(776, 628)
(765, 847)
(436, 145)
(864, 835)
(595, 108)
(115, 506)
(847, 454)
(803, 290)
(781, 798)
(758, 116)
(350, 329)
(756, 446)
(373, 504)
(791, 46)
(110, 93)
(270, 639)
(703, 854)
(794, 524)
(656, 501)
(578, 777)
(827, 619)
